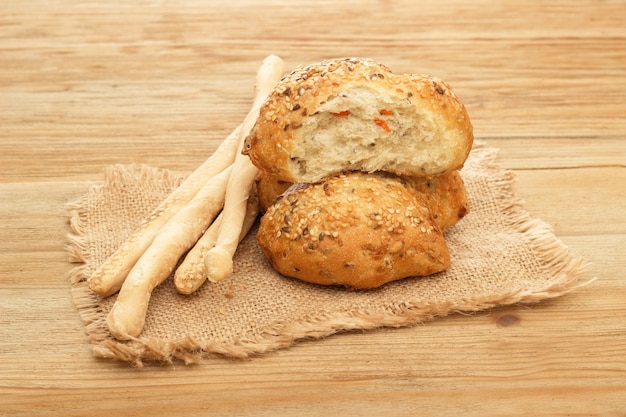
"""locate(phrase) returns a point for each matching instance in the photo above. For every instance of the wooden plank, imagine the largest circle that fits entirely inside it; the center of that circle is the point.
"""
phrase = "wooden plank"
(561, 153)
(574, 200)
(531, 357)
(118, 89)
(88, 84)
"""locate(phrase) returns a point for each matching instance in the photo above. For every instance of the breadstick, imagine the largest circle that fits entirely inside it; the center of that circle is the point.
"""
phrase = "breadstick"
(128, 314)
(108, 278)
(191, 273)
(219, 260)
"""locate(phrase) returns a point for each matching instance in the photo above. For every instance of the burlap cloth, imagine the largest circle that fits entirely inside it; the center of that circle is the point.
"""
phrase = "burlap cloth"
(500, 256)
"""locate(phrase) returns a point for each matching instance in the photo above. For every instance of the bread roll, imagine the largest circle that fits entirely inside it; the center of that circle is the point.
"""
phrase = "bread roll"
(358, 230)
(355, 114)
(268, 189)
(445, 195)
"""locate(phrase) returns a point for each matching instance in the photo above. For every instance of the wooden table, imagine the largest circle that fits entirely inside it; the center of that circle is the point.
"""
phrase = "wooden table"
(87, 84)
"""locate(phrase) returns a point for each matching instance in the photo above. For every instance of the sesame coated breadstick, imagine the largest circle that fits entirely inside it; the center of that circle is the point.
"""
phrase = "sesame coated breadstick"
(110, 276)
(191, 273)
(128, 314)
(172, 237)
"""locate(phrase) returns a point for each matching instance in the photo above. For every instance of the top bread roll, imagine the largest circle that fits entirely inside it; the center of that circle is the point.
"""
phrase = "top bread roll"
(355, 114)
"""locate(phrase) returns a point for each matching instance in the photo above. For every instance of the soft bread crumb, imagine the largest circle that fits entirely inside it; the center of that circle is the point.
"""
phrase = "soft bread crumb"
(365, 130)
(355, 114)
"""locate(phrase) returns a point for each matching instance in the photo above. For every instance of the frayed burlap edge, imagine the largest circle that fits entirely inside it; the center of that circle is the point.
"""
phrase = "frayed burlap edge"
(567, 272)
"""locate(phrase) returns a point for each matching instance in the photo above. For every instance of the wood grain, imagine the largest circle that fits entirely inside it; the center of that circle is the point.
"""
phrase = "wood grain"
(88, 84)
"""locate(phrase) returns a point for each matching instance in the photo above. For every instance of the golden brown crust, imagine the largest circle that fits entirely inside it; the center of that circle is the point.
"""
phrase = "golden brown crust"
(268, 188)
(445, 195)
(358, 230)
(300, 95)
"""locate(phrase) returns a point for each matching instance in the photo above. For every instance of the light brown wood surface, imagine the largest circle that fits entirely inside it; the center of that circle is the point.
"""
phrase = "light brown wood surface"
(87, 84)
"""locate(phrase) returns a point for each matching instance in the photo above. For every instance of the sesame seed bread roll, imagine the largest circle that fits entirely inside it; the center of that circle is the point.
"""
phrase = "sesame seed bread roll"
(445, 195)
(355, 114)
(358, 230)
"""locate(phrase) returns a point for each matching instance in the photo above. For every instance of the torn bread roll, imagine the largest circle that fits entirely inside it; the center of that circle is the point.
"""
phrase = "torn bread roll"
(356, 229)
(355, 114)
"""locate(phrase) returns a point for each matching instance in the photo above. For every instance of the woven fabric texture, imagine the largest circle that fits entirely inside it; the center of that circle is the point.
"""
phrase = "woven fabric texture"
(500, 256)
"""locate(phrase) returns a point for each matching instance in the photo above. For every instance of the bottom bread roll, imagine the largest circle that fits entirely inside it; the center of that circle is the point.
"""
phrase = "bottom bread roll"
(268, 189)
(445, 195)
(358, 230)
